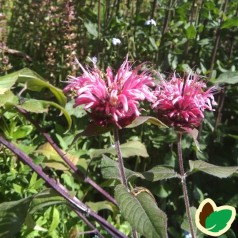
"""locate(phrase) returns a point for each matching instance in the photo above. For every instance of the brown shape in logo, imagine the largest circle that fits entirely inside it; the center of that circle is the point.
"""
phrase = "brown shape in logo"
(206, 211)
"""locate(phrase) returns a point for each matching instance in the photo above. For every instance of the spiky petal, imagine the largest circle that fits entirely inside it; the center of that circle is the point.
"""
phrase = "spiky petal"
(181, 102)
(109, 98)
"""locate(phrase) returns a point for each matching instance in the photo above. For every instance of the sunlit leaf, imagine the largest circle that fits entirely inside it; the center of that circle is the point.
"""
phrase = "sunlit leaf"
(21, 131)
(218, 171)
(232, 22)
(52, 159)
(8, 98)
(35, 82)
(128, 149)
(7, 81)
(55, 220)
(190, 32)
(228, 77)
(146, 119)
(142, 213)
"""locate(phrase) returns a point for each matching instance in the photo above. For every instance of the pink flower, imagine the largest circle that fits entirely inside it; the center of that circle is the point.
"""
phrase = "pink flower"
(181, 102)
(109, 98)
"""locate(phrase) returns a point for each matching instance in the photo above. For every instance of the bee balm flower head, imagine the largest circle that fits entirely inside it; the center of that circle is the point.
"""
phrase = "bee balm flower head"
(181, 102)
(112, 99)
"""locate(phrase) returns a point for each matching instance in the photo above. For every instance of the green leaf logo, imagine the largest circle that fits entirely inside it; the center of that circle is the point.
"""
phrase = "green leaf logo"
(213, 220)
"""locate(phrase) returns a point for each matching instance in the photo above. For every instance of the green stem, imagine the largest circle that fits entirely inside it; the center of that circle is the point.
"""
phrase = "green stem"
(184, 186)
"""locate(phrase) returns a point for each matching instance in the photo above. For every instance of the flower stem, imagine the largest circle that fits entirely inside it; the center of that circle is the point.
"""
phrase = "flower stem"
(122, 168)
(184, 186)
(64, 156)
(74, 202)
(119, 158)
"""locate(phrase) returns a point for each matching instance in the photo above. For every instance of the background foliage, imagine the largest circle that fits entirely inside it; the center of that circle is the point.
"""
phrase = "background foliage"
(47, 35)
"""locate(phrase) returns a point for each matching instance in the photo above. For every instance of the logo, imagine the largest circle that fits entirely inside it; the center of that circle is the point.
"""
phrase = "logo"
(213, 220)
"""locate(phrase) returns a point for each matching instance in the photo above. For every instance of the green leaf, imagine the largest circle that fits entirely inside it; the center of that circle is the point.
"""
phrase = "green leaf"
(41, 106)
(91, 28)
(160, 173)
(45, 198)
(142, 213)
(35, 82)
(52, 158)
(33, 105)
(109, 169)
(102, 205)
(75, 111)
(128, 149)
(12, 216)
(190, 32)
(22, 131)
(218, 171)
(228, 77)
(153, 43)
(185, 224)
(232, 22)
(146, 119)
(218, 220)
(8, 98)
(7, 81)
(55, 220)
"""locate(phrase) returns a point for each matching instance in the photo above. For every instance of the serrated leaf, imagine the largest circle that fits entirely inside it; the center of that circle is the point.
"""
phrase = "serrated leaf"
(128, 149)
(12, 216)
(232, 22)
(160, 173)
(218, 220)
(142, 213)
(45, 198)
(109, 169)
(228, 77)
(218, 171)
(146, 119)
